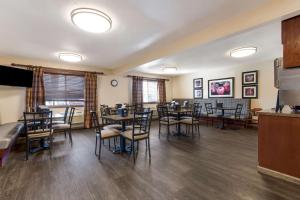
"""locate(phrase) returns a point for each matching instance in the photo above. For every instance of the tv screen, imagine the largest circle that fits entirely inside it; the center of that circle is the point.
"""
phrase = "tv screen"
(15, 77)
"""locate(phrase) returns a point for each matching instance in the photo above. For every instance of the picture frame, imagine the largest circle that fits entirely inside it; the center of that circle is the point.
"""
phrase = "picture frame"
(221, 88)
(198, 83)
(198, 93)
(250, 77)
(250, 91)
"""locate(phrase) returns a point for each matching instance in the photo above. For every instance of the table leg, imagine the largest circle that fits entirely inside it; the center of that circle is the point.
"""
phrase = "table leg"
(223, 119)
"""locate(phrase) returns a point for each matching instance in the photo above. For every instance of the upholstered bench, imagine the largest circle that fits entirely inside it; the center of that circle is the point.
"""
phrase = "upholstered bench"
(8, 135)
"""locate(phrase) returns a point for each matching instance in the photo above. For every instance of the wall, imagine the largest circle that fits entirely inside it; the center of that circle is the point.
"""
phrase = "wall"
(267, 93)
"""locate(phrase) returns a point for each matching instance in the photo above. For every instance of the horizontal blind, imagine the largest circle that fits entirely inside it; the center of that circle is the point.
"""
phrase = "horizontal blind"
(59, 87)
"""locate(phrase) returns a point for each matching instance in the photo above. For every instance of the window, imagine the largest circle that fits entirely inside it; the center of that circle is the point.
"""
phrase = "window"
(64, 90)
(150, 93)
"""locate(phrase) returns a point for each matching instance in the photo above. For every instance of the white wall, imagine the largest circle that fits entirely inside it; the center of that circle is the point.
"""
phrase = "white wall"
(183, 85)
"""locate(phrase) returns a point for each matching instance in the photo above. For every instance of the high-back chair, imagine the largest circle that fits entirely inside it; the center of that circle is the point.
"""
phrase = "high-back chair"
(101, 135)
(194, 121)
(140, 131)
(64, 121)
(210, 114)
(164, 118)
(38, 126)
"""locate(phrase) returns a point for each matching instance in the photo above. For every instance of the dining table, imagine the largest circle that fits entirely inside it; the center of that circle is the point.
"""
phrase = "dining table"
(179, 112)
(223, 110)
(123, 120)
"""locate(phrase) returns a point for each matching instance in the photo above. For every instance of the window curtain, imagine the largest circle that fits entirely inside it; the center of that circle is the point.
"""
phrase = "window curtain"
(161, 87)
(90, 97)
(35, 96)
(137, 90)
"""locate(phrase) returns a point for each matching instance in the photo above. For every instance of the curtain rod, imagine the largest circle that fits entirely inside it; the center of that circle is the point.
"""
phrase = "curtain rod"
(147, 78)
(56, 70)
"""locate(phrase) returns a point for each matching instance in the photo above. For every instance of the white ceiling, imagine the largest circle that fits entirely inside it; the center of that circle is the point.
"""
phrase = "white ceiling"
(266, 38)
(39, 29)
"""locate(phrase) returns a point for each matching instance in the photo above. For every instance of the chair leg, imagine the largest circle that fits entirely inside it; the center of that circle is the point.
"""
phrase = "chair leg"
(99, 153)
(96, 145)
(65, 133)
(149, 149)
(192, 130)
(168, 132)
(70, 136)
(133, 150)
(159, 127)
(27, 148)
(199, 128)
(50, 147)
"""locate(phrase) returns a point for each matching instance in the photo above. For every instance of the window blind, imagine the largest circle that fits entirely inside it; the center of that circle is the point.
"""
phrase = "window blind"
(59, 87)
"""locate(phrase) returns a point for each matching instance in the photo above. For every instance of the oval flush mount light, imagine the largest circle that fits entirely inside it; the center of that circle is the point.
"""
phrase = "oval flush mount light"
(91, 20)
(243, 52)
(169, 69)
(70, 57)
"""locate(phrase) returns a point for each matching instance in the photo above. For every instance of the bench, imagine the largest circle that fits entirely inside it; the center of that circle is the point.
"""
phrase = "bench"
(8, 135)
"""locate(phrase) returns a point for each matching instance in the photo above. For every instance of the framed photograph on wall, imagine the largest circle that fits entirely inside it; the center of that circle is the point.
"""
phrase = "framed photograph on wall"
(223, 88)
(198, 83)
(198, 93)
(250, 91)
(250, 77)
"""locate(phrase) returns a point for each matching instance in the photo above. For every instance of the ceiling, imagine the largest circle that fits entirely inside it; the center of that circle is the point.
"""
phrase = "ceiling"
(267, 38)
(39, 29)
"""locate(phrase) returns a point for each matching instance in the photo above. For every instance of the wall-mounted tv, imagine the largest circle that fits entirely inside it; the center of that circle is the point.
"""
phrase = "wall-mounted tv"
(15, 76)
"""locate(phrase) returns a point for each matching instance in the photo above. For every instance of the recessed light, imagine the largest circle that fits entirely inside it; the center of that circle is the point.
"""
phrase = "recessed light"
(169, 69)
(70, 57)
(243, 52)
(91, 20)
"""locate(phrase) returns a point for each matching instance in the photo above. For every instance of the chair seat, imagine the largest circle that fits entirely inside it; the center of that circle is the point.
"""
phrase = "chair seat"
(113, 126)
(189, 121)
(166, 118)
(61, 126)
(38, 131)
(186, 117)
(109, 134)
(171, 122)
(39, 135)
(58, 122)
(128, 135)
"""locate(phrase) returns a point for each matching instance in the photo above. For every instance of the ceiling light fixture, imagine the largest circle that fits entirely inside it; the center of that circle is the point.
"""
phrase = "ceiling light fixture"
(91, 20)
(243, 52)
(169, 69)
(70, 57)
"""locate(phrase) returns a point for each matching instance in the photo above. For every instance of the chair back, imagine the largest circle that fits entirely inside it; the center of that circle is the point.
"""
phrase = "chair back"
(238, 111)
(209, 108)
(66, 114)
(219, 105)
(142, 123)
(95, 121)
(196, 112)
(37, 121)
(71, 115)
(163, 112)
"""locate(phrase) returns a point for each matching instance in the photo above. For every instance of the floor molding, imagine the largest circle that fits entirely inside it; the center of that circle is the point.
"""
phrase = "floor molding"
(278, 175)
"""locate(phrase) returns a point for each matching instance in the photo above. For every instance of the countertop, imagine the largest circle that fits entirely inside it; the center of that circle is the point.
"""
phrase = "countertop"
(284, 113)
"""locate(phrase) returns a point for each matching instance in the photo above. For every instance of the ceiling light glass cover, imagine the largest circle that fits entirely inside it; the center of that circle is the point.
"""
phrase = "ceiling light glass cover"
(243, 52)
(70, 57)
(169, 69)
(91, 20)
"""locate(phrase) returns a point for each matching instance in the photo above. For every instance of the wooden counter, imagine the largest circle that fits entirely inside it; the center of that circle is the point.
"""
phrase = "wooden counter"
(279, 145)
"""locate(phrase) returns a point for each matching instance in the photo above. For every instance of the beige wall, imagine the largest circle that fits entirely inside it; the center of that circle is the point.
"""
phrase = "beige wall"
(183, 85)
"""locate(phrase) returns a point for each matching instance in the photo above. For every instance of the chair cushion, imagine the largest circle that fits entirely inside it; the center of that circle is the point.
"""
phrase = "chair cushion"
(109, 134)
(166, 118)
(61, 126)
(8, 132)
(171, 122)
(113, 126)
(189, 121)
(39, 134)
(128, 135)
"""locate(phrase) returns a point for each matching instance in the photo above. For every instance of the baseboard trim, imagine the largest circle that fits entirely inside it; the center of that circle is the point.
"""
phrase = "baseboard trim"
(278, 175)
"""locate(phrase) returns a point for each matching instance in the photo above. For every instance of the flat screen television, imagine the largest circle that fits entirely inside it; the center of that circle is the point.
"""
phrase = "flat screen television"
(15, 76)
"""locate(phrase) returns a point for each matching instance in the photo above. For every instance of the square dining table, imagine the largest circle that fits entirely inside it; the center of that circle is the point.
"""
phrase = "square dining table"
(179, 112)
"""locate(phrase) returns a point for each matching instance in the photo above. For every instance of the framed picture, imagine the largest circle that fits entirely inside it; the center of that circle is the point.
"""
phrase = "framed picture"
(250, 91)
(250, 77)
(221, 88)
(198, 93)
(198, 83)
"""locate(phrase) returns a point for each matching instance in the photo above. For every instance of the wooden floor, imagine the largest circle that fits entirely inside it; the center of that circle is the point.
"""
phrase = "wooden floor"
(221, 164)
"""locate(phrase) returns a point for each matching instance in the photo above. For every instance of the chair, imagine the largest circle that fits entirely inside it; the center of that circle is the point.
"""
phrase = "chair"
(165, 119)
(101, 135)
(210, 114)
(64, 121)
(254, 116)
(237, 114)
(37, 127)
(104, 111)
(66, 127)
(140, 131)
(194, 120)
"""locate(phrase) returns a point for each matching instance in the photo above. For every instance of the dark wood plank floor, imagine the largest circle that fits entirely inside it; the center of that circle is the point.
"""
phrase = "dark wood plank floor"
(221, 164)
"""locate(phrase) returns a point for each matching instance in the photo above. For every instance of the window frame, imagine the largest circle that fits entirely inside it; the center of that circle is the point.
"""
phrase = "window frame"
(151, 102)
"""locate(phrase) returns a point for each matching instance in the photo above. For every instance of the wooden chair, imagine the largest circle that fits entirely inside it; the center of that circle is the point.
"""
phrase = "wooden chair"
(193, 122)
(66, 127)
(101, 135)
(38, 127)
(165, 119)
(140, 131)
